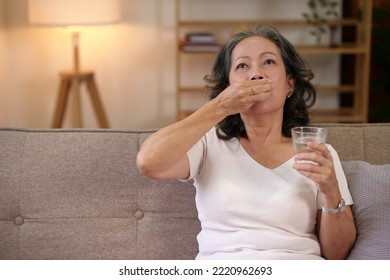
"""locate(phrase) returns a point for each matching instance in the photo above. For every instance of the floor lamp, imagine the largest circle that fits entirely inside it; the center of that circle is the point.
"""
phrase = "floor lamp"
(75, 13)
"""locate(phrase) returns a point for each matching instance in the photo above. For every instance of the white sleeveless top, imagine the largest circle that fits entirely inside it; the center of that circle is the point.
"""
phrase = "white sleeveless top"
(248, 211)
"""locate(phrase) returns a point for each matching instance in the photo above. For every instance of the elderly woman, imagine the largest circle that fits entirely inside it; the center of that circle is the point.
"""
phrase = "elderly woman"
(254, 200)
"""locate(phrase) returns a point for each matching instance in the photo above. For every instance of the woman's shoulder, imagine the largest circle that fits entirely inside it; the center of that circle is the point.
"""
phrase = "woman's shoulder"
(212, 136)
(331, 149)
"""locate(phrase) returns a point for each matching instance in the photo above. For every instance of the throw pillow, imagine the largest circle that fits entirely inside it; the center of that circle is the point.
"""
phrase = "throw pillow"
(370, 189)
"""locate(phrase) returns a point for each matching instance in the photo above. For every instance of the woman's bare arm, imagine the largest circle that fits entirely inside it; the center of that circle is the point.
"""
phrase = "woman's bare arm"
(163, 155)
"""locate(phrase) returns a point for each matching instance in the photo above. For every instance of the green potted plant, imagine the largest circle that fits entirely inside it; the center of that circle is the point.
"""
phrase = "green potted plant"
(320, 12)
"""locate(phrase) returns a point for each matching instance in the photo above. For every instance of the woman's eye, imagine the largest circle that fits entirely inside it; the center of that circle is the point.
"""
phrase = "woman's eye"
(269, 61)
(241, 65)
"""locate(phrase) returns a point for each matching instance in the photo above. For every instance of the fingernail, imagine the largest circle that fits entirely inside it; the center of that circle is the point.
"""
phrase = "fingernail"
(311, 144)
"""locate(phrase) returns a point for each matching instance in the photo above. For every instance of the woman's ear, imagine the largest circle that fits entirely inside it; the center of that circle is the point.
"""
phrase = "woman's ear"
(290, 83)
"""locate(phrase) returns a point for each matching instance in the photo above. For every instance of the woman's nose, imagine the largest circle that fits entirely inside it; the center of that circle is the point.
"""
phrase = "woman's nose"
(256, 77)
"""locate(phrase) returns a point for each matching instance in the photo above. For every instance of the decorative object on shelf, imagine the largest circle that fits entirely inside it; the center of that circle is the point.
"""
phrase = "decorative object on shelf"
(320, 13)
(73, 14)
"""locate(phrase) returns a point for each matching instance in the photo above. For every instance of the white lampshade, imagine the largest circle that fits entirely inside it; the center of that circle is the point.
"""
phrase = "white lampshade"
(73, 12)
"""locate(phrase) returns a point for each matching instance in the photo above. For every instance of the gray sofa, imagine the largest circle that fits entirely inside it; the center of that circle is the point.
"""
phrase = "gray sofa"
(77, 194)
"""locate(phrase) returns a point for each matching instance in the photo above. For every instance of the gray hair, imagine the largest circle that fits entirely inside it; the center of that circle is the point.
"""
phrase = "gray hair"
(295, 110)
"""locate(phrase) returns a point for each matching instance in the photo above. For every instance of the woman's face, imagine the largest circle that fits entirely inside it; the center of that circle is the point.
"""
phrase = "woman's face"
(255, 58)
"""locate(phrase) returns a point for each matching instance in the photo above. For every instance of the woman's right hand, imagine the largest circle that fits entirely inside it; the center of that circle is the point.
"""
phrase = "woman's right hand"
(241, 95)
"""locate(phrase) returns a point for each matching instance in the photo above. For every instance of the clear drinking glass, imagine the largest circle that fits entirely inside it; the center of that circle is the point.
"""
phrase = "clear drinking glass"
(304, 134)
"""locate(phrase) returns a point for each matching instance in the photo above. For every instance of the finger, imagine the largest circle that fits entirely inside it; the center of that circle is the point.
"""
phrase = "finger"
(321, 148)
(259, 82)
(261, 96)
(308, 165)
(253, 92)
(260, 93)
(314, 157)
(255, 87)
(321, 175)
(318, 178)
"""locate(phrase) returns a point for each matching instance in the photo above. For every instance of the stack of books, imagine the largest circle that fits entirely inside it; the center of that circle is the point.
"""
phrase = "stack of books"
(199, 42)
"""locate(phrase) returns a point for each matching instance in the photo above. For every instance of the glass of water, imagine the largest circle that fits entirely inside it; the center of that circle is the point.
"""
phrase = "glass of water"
(304, 134)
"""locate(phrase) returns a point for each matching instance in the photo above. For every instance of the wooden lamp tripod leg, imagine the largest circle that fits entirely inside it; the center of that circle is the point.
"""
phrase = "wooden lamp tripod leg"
(74, 79)
(97, 104)
(61, 102)
(77, 120)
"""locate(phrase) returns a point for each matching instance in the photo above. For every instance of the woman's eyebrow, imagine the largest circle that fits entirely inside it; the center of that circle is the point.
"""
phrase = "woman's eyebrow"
(241, 57)
(262, 54)
(268, 52)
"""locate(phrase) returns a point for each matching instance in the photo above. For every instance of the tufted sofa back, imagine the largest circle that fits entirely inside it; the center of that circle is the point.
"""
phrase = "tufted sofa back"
(77, 194)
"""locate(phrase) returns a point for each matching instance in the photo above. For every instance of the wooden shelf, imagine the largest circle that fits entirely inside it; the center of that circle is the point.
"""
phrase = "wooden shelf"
(320, 89)
(184, 114)
(336, 89)
(308, 49)
(341, 115)
(246, 22)
(199, 90)
(343, 49)
(360, 49)
(198, 52)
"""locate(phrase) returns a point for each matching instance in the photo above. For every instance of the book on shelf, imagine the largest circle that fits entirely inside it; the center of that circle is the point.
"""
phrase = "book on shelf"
(199, 42)
(210, 47)
(200, 37)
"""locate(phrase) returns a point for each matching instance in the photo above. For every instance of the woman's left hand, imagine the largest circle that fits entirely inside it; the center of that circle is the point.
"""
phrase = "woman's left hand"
(317, 165)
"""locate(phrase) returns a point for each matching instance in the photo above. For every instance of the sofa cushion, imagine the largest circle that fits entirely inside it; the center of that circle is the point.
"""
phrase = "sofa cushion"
(370, 189)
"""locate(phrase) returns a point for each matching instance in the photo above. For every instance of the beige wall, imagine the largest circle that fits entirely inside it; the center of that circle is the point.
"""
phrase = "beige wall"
(3, 63)
(134, 62)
